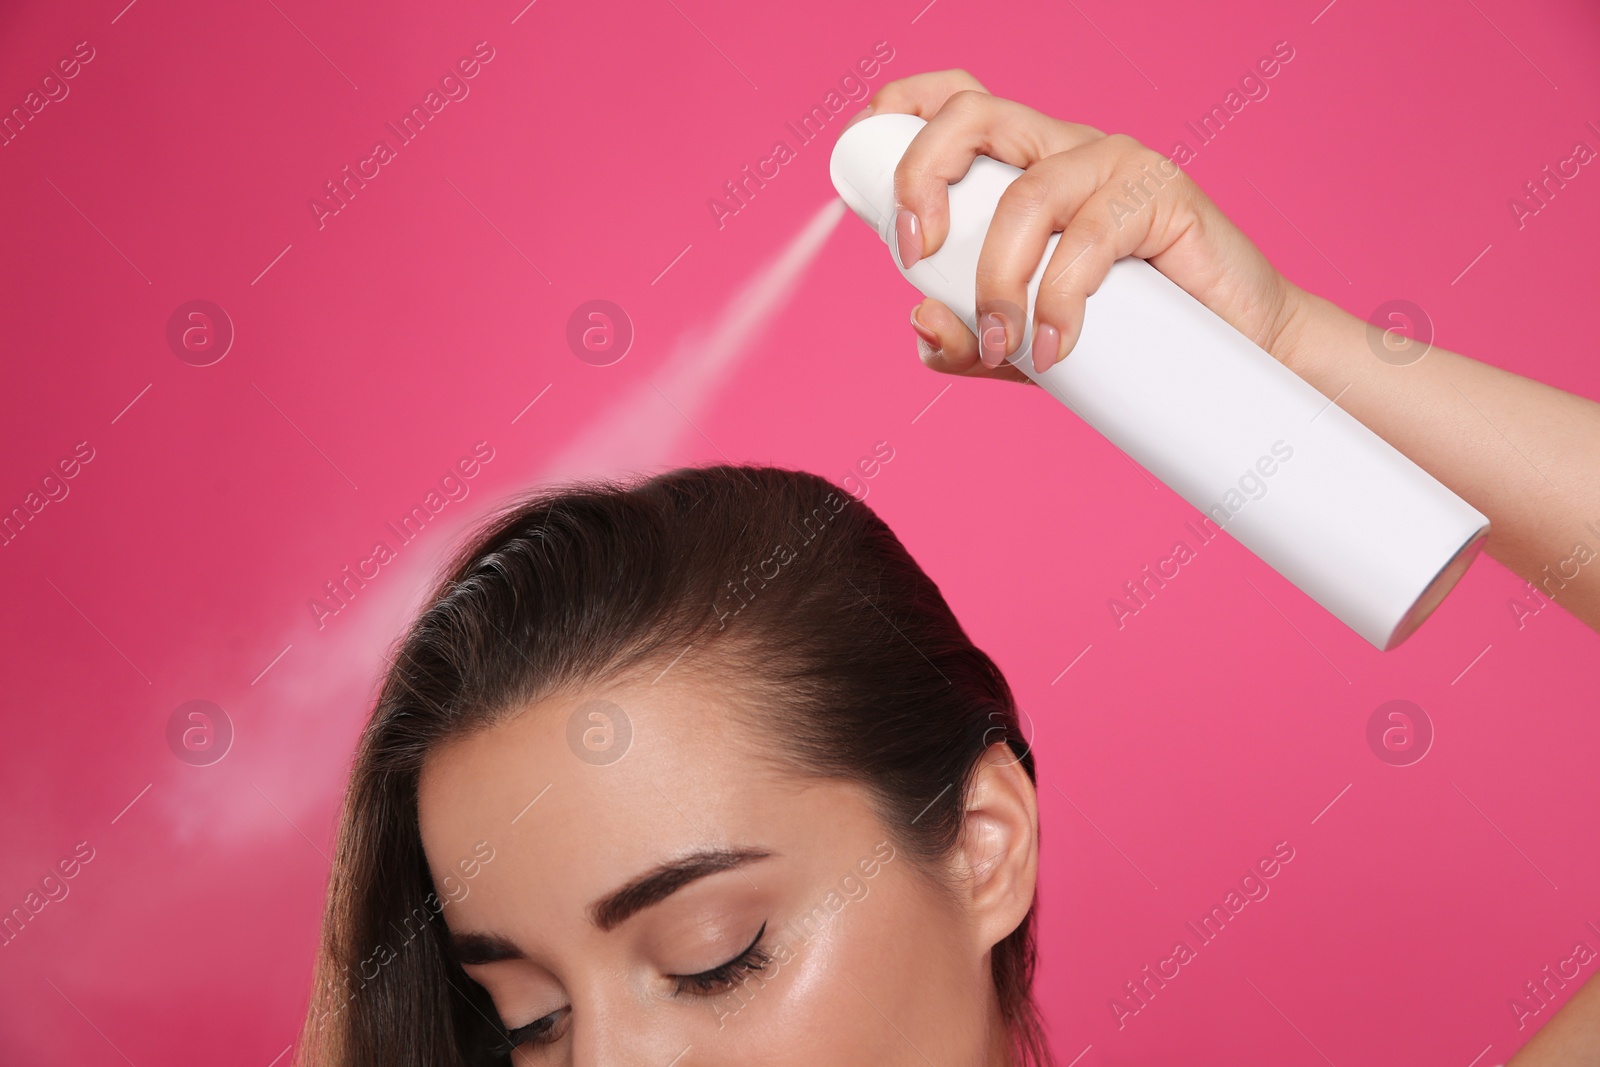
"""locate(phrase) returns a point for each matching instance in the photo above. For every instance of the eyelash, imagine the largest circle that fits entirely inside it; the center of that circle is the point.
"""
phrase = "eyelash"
(534, 1033)
(753, 960)
(719, 979)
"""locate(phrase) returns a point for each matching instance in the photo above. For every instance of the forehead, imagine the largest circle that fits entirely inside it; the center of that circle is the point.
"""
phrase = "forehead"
(576, 795)
(602, 748)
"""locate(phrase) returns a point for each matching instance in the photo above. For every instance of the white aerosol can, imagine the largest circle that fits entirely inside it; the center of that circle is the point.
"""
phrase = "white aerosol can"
(1294, 478)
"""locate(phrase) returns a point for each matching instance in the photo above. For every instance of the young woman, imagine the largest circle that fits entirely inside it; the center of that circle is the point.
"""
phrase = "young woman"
(701, 769)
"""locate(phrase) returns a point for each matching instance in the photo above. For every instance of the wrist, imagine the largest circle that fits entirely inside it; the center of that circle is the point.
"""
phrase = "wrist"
(1313, 338)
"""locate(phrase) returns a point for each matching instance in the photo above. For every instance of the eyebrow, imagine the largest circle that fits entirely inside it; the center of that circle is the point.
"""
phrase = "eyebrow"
(483, 948)
(657, 885)
(615, 908)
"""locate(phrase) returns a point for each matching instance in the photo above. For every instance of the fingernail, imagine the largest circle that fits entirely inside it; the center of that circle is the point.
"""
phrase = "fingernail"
(907, 238)
(1046, 346)
(922, 331)
(993, 339)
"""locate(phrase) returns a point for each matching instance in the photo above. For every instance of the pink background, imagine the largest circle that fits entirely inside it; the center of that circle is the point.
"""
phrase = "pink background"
(425, 316)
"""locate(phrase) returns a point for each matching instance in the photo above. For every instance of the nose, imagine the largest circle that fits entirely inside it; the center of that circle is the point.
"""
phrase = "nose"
(623, 1031)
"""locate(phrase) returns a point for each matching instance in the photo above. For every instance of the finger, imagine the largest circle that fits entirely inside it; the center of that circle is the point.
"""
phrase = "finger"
(920, 94)
(1139, 202)
(946, 345)
(969, 124)
(1042, 200)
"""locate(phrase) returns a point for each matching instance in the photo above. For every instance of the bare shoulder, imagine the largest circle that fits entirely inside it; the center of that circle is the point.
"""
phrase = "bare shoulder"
(1571, 1038)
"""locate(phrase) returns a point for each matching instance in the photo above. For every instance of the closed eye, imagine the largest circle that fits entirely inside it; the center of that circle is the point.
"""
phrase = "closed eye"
(539, 1032)
(719, 979)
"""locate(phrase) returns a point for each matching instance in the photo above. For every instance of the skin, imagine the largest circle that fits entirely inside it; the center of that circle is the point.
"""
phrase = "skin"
(896, 970)
(1572, 1036)
(1523, 453)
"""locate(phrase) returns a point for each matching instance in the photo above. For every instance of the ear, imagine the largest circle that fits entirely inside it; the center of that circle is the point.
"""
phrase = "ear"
(999, 845)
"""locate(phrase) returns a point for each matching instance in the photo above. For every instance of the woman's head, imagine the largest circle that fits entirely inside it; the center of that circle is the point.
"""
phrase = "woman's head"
(696, 770)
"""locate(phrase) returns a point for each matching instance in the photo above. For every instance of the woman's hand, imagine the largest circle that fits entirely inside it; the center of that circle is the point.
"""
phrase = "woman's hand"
(1523, 453)
(1108, 195)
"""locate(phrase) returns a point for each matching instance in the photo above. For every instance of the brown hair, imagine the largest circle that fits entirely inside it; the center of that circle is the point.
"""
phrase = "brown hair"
(779, 572)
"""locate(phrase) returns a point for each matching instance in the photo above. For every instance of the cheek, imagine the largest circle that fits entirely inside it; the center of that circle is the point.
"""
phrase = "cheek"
(809, 1014)
(894, 954)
